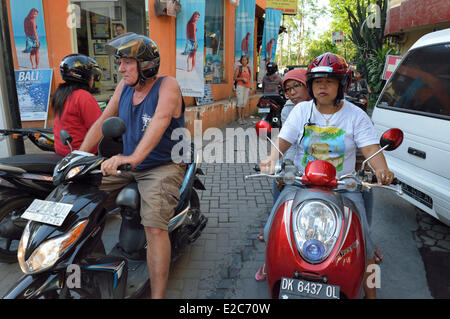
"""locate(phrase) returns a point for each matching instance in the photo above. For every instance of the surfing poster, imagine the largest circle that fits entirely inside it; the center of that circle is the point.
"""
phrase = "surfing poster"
(269, 40)
(190, 48)
(244, 32)
(27, 18)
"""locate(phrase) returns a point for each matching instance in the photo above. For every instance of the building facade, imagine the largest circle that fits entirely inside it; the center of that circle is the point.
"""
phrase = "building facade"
(86, 26)
(408, 20)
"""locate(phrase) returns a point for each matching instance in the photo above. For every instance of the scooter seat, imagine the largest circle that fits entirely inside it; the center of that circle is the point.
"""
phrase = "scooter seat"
(33, 163)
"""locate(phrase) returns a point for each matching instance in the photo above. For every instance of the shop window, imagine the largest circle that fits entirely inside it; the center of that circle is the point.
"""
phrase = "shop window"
(100, 21)
(214, 42)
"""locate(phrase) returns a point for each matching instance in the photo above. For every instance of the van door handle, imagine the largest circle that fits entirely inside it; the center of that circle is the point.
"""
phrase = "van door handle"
(417, 153)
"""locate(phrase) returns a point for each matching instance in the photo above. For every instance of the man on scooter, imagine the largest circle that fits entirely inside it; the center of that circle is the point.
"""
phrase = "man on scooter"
(329, 113)
(151, 107)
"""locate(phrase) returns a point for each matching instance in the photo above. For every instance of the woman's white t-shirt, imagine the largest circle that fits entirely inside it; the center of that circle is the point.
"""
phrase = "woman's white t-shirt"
(348, 129)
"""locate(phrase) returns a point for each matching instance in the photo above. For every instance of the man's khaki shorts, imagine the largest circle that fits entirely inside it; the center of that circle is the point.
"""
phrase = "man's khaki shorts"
(159, 188)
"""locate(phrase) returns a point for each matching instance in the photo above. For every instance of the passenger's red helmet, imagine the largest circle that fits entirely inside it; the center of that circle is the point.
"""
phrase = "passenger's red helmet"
(262, 126)
(330, 65)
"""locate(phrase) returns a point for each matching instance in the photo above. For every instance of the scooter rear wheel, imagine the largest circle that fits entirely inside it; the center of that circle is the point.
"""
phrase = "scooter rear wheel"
(12, 210)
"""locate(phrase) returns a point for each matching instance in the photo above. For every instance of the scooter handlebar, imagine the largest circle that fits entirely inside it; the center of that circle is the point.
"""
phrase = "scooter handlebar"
(395, 181)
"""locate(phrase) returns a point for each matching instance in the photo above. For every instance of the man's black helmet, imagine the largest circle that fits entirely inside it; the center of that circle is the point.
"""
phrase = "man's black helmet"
(138, 47)
(79, 68)
(271, 68)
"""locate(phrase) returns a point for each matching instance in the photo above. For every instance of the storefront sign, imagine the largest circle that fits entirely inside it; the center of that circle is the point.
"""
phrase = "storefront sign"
(269, 39)
(391, 64)
(189, 47)
(337, 37)
(33, 92)
(244, 31)
(27, 18)
(286, 6)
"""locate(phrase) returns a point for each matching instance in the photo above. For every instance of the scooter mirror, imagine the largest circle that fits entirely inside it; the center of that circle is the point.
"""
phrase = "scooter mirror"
(65, 137)
(261, 127)
(392, 139)
(113, 127)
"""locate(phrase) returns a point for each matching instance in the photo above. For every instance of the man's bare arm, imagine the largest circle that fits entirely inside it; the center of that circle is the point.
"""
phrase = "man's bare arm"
(94, 134)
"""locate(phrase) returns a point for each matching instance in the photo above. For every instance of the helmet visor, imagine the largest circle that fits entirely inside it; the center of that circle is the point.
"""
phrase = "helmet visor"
(130, 45)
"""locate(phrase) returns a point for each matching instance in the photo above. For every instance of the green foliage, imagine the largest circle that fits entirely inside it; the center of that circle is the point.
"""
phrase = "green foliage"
(375, 66)
(367, 21)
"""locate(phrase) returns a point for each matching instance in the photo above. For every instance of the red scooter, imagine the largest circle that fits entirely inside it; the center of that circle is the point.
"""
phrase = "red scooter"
(315, 247)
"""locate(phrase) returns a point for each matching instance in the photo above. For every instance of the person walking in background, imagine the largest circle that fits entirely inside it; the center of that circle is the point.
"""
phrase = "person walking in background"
(242, 78)
(32, 40)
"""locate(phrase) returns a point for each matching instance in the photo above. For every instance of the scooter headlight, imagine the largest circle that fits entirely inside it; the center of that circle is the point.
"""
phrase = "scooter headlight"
(316, 227)
(74, 172)
(48, 253)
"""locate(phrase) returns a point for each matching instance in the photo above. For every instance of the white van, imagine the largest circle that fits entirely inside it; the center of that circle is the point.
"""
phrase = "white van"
(416, 99)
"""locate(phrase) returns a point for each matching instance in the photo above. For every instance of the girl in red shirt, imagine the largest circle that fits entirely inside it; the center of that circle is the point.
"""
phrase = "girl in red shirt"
(75, 107)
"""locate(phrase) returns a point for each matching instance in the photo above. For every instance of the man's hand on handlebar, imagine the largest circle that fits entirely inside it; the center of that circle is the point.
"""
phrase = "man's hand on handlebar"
(113, 165)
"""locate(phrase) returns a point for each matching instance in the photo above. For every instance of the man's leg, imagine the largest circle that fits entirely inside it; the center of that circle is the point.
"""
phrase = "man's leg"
(160, 191)
(158, 260)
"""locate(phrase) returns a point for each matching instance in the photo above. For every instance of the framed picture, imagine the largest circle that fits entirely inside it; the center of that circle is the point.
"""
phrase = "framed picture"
(99, 49)
(117, 14)
(100, 25)
(106, 67)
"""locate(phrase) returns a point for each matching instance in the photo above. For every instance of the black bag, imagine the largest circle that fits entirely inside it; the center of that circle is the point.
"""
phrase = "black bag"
(239, 74)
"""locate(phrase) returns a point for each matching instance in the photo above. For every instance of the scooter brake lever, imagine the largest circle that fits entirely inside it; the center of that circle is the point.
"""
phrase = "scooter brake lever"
(397, 188)
(260, 175)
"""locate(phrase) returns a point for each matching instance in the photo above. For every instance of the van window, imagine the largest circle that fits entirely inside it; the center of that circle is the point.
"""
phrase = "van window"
(421, 83)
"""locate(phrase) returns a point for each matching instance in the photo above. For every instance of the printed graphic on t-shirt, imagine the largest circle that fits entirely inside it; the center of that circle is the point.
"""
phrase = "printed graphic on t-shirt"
(324, 143)
(145, 121)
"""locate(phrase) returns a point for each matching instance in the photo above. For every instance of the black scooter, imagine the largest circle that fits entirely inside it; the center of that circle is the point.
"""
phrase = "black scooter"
(43, 138)
(270, 106)
(22, 179)
(61, 251)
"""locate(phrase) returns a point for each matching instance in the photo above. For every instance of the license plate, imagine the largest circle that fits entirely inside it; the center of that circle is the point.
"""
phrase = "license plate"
(47, 212)
(264, 110)
(296, 289)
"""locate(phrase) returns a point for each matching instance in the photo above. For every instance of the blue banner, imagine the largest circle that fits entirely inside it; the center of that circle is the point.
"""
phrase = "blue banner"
(33, 93)
(190, 47)
(269, 40)
(244, 31)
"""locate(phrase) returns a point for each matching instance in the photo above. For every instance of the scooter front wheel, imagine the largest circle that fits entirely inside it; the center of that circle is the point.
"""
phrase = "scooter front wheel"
(11, 228)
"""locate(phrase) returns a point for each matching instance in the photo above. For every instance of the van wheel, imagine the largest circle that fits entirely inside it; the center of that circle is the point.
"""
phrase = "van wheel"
(11, 223)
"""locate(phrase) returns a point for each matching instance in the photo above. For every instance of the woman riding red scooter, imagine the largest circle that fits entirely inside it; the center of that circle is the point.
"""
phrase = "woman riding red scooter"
(329, 128)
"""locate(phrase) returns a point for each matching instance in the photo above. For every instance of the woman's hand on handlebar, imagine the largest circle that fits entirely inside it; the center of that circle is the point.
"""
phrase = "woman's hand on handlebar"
(111, 165)
(267, 166)
(384, 176)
